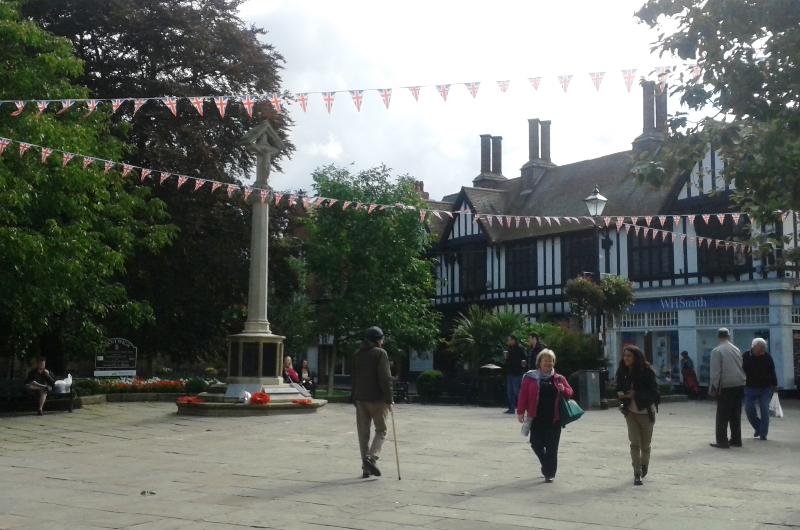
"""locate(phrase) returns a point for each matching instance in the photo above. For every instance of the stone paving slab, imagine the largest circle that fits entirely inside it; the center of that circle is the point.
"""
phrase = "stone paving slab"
(463, 468)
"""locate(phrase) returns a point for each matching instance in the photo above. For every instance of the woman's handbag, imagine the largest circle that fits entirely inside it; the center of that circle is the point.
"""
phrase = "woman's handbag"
(568, 411)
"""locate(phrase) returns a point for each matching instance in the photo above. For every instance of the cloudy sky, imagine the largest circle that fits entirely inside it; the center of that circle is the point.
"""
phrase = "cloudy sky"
(341, 46)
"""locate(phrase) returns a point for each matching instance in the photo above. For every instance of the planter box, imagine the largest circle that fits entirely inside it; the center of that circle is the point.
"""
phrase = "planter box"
(96, 399)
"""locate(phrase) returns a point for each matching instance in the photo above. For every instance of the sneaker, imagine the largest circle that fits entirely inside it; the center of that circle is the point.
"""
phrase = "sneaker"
(40, 413)
(644, 470)
(637, 480)
(755, 434)
(549, 479)
(370, 465)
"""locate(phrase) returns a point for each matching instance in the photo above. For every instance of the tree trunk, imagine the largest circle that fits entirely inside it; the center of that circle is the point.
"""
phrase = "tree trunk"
(332, 365)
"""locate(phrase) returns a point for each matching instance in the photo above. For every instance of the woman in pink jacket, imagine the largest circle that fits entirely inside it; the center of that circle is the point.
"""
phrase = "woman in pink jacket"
(538, 399)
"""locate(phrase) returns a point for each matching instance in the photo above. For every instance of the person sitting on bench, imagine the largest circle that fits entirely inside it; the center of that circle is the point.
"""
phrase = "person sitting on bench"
(39, 382)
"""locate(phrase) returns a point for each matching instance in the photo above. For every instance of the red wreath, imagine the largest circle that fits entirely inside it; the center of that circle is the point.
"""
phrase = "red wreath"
(302, 401)
(260, 398)
(191, 399)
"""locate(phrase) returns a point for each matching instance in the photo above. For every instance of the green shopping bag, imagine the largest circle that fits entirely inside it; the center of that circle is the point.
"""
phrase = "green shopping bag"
(568, 411)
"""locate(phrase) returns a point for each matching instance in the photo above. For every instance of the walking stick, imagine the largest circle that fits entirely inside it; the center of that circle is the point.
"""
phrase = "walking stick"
(394, 434)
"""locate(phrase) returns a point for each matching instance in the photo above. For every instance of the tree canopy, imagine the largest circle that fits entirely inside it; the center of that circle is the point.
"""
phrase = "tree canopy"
(368, 269)
(747, 53)
(66, 233)
(154, 48)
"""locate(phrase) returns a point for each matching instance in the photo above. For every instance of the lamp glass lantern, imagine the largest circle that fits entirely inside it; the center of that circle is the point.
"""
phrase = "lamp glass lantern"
(595, 202)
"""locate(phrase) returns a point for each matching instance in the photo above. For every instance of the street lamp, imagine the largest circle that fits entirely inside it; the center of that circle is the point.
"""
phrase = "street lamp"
(595, 203)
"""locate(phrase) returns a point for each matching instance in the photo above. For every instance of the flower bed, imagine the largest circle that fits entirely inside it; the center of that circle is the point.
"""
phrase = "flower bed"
(154, 385)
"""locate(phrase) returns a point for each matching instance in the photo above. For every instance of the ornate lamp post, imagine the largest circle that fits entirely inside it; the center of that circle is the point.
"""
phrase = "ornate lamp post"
(595, 203)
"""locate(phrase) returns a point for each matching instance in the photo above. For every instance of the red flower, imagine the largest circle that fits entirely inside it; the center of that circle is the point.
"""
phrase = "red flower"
(305, 401)
(191, 399)
(260, 398)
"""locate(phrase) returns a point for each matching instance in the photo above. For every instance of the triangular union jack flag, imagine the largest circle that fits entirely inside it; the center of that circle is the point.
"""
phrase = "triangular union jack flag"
(303, 100)
(42, 104)
(345, 204)
(181, 180)
(4, 142)
(66, 104)
(115, 105)
(276, 101)
(91, 104)
(46, 151)
(198, 183)
(564, 81)
(172, 104)
(108, 166)
(414, 92)
(307, 200)
(248, 101)
(721, 218)
(327, 97)
(146, 172)
(221, 102)
(65, 158)
(706, 218)
(358, 97)
(535, 82)
(278, 197)
(231, 187)
(263, 196)
(197, 103)
(164, 176)
(126, 169)
(736, 218)
(597, 78)
(86, 161)
(473, 88)
(20, 107)
(214, 186)
(137, 104)
(23, 147)
(629, 76)
(443, 90)
(503, 85)
(386, 96)
(247, 192)
(662, 219)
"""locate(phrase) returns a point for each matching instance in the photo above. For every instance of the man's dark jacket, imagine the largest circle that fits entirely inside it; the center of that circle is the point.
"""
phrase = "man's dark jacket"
(534, 352)
(370, 374)
(517, 363)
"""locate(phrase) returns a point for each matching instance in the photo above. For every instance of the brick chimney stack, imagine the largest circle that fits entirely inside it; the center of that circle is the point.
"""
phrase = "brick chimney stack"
(538, 153)
(533, 139)
(491, 162)
(419, 187)
(654, 118)
(486, 153)
(497, 155)
(545, 140)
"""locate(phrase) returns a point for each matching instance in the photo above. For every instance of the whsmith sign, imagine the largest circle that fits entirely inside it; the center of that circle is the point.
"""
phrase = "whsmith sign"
(672, 303)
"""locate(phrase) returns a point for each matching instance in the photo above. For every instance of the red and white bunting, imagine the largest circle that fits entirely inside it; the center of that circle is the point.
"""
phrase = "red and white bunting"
(108, 166)
(620, 220)
(636, 229)
(86, 161)
(221, 102)
(691, 219)
(115, 105)
(307, 200)
(443, 90)
(473, 88)
(42, 105)
(662, 220)
(386, 96)
(489, 217)
(676, 220)
(65, 158)
(214, 186)
(648, 219)
(198, 183)
(503, 85)
(247, 102)
(46, 151)
(721, 218)
(126, 169)
(20, 107)
(359, 205)
(736, 219)
(231, 188)
(629, 76)
(181, 180)
(414, 92)
(137, 104)
(535, 82)
(303, 100)
(528, 222)
(549, 222)
(564, 80)
(91, 105)
(597, 78)
(171, 104)
(319, 201)
(4, 142)
(783, 216)
(263, 194)
(23, 147)
(557, 220)
(683, 238)
(517, 221)
(672, 234)
(67, 103)
(627, 229)
(634, 219)
(331, 202)
(358, 97)
(345, 204)
(449, 214)
(372, 207)
(276, 101)
(247, 192)
(327, 97)
(706, 218)
(422, 216)
(197, 103)
(691, 240)
(292, 200)
(475, 218)
(607, 221)
(538, 220)
(645, 231)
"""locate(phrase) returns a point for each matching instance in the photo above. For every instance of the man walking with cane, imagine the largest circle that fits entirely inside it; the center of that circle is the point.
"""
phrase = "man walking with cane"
(372, 396)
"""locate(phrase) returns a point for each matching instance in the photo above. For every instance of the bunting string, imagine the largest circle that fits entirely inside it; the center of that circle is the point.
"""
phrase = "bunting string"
(280, 101)
(504, 221)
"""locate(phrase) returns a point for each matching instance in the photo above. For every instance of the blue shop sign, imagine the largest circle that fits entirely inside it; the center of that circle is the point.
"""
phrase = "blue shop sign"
(673, 303)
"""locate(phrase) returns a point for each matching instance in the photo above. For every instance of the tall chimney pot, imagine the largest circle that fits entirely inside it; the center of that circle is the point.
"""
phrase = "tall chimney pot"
(648, 106)
(497, 155)
(485, 153)
(533, 139)
(661, 110)
(545, 140)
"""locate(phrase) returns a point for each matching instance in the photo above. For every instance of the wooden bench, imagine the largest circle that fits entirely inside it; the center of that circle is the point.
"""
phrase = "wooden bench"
(400, 389)
(14, 398)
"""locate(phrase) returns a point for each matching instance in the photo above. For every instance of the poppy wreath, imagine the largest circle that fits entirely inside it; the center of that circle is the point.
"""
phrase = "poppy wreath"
(259, 398)
(302, 401)
(191, 399)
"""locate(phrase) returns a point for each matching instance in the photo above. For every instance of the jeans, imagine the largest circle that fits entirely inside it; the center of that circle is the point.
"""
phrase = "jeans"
(762, 396)
(729, 411)
(544, 442)
(513, 384)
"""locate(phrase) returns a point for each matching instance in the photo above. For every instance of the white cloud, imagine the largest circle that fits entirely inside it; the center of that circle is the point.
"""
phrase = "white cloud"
(332, 149)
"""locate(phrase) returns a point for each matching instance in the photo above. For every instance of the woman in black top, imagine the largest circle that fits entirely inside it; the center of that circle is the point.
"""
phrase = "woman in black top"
(637, 389)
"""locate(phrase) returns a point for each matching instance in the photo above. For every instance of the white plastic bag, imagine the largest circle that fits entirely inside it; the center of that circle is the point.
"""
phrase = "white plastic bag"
(246, 397)
(775, 409)
(68, 383)
(526, 427)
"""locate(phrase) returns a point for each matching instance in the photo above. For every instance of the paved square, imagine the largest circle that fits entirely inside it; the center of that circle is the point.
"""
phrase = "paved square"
(462, 467)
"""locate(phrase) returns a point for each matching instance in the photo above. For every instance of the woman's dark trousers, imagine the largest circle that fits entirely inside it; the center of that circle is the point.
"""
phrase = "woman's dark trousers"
(544, 441)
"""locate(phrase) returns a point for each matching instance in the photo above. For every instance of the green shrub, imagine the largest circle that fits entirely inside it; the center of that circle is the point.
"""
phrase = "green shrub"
(665, 389)
(574, 383)
(86, 387)
(196, 385)
(429, 385)
(611, 391)
(574, 350)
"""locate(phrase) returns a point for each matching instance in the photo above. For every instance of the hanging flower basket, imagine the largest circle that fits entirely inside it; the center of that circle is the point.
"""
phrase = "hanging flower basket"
(260, 398)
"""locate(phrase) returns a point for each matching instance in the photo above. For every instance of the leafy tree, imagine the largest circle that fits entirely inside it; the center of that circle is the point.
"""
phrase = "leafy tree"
(367, 268)
(153, 48)
(747, 53)
(574, 350)
(65, 233)
(480, 336)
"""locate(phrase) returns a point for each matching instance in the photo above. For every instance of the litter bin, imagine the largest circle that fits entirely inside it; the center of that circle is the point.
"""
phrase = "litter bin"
(589, 388)
(490, 385)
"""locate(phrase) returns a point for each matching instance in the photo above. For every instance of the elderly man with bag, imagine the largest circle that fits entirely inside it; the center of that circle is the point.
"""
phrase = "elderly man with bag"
(727, 385)
(372, 396)
(762, 382)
